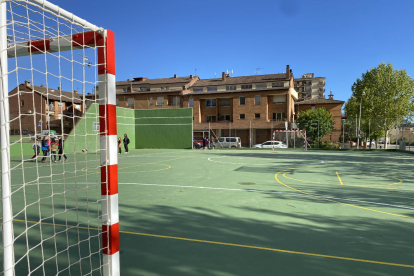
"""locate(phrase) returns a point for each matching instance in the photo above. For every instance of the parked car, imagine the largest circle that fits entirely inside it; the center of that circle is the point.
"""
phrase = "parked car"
(373, 143)
(228, 142)
(198, 144)
(52, 134)
(269, 145)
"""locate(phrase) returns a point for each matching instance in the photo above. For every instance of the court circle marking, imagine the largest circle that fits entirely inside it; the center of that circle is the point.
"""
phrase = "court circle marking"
(331, 200)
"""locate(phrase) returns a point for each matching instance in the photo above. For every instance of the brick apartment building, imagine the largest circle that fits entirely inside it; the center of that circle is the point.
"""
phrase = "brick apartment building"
(249, 107)
(310, 87)
(144, 93)
(333, 106)
(44, 106)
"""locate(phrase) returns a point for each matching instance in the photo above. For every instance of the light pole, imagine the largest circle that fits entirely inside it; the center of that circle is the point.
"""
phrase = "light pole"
(359, 123)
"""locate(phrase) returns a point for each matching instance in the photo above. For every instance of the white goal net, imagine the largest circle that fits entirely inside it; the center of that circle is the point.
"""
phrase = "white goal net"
(59, 187)
(290, 138)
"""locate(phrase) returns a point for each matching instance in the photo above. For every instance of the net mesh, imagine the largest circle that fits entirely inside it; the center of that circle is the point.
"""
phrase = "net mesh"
(291, 138)
(55, 206)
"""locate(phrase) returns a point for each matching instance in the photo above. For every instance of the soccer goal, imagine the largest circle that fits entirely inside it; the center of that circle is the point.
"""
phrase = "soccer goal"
(58, 218)
(291, 138)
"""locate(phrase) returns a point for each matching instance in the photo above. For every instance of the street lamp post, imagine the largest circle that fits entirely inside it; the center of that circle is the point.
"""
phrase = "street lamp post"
(359, 123)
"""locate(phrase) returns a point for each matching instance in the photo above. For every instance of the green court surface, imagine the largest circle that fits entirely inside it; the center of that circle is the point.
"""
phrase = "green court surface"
(228, 212)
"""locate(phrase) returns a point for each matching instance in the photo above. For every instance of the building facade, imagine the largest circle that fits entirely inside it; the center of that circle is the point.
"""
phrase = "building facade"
(333, 106)
(33, 108)
(310, 87)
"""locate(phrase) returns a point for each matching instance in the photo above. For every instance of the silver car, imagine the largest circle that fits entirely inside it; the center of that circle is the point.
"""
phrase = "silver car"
(269, 145)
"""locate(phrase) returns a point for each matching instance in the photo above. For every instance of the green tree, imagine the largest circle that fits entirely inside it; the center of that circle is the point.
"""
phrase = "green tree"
(317, 123)
(388, 98)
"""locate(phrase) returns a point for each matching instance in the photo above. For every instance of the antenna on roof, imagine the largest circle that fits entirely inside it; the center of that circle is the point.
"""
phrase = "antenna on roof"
(215, 74)
(258, 70)
(232, 72)
(195, 72)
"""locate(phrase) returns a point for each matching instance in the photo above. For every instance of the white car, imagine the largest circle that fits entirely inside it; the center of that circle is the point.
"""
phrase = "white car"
(373, 143)
(269, 145)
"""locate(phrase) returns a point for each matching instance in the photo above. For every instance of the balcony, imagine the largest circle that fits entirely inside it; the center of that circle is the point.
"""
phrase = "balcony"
(321, 90)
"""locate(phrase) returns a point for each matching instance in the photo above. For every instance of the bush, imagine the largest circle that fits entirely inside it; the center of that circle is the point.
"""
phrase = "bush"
(354, 139)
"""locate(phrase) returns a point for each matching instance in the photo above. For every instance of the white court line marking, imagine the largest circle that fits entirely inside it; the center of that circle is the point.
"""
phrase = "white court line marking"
(210, 159)
(240, 190)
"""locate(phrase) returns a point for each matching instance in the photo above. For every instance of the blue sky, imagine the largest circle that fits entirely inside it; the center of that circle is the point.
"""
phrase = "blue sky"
(338, 40)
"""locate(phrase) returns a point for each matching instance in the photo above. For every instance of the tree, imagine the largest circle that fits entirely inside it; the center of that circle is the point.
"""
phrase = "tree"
(389, 98)
(317, 123)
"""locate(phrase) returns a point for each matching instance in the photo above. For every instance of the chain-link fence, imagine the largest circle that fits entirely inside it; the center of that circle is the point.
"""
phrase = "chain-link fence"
(343, 134)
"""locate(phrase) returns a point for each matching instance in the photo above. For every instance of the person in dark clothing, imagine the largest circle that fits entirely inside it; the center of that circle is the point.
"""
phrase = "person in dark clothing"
(119, 145)
(60, 150)
(204, 142)
(45, 148)
(126, 142)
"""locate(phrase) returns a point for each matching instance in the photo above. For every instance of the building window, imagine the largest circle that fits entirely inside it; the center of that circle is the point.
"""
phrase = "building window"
(160, 100)
(242, 116)
(78, 106)
(278, 99)
(262, 85)
(59, 116)
(117, 102)
(257, 115)
(96, 126)
(212, 88)
(231, 87)
(278, 84)
(224, 102)
(279, 116)
(21, 103)
(257, 99)
(22, 93)
(143, 89)
(130, 102)
(313, 107)
(125, 90)
(60, 104)
(246, 86)
(211, 103)
(167, 88)
(198, 90)
(150, 102)
(176, 100)
(242, 100)
(191, 102)
(224, 117)
(210, 118)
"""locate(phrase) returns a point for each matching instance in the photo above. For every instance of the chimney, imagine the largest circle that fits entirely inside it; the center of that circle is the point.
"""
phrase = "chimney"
(27, 83)
(287, 72)
(42, 85)
(223, 76)
(175, 76)
(75, 91)
(191, 76)
(58, 87)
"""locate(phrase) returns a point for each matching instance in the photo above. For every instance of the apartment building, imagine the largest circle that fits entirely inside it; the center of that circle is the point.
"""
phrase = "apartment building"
(42, 108)
(310, 87)
(333, 106)
(248, 107)
(145, 93)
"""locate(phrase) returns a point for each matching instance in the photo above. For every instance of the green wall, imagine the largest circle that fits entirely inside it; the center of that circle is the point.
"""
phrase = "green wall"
(149, 128)
(164, 128)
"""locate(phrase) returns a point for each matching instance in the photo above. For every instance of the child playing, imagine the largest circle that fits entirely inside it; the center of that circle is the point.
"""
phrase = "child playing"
(36, 147)
(53, 149)
(119, 145)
